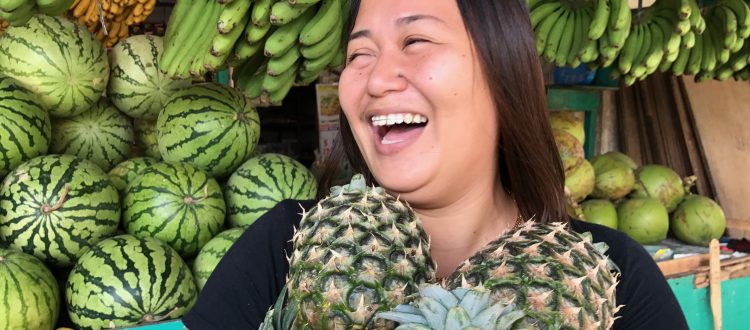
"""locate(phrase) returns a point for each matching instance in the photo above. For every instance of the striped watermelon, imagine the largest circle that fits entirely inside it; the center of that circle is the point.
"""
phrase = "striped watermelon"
(127, 171)
(54, 206)
(25, 128)
(262, 182)
(145, 137)
(209, 125)
(29, 295)
(136, 85)
(176, 203)
(125, 281)
(211, 254)
(103, 135)
(57, 59)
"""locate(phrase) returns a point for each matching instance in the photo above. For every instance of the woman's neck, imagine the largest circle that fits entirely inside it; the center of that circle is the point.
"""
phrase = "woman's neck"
(459, 229)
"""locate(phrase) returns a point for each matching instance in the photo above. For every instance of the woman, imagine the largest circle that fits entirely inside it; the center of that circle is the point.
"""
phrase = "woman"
(475, 152)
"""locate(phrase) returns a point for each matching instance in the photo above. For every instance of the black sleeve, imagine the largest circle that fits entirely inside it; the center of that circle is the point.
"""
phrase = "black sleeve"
(649, 302)
(249, 278)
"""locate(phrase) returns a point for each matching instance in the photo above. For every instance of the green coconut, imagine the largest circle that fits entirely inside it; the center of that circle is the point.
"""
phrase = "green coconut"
(644, 219)
(601, 212)
(580, 182)
(615, 178)
(698, 220)
(571, 150)
(660, 182)
(570, 122)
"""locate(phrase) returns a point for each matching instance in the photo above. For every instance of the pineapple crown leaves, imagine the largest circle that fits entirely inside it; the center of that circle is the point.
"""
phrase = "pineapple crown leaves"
(358, 184)
(280, 317)
(437, 308)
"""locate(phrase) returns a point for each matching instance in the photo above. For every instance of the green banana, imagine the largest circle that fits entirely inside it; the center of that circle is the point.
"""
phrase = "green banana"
(709, 50)
(255, 33)
(245, 69)
(696, 19)
(639, 68)
(261, 12)
(277, 96)
(54, 8)
(282, 12)
(321, 23)
(330, 43)
(254, 86)
(540, 13)
(281, 64)
(233, 15)
(338, 60)
(11, 5)
(715, 31)
(600, 21)
(244, 49)
(302, 2)
(274, 83)
(656, 54)
(223, 43)
(555, 36)
(201, 47)
(620, 16)
(285, 36)
(579, 34)
(630, 50)
(566, 40)
(20, 15)
(185, 14)
(742, 12)
(688, 40)
(696, 56)
(729, 27)
(544, 29)
(318, 64)
(680, 64)
(617, 37)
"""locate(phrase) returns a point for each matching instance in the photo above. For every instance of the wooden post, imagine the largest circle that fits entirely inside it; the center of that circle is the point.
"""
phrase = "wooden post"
(715, 282)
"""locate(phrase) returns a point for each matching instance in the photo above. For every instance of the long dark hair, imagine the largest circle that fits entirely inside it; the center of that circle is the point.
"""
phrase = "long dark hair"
(530, 169)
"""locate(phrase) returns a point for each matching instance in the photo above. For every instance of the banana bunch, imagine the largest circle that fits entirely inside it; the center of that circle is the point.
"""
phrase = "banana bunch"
(117, 15)
(18, 12)
(274, 44)
(659, 34)
(721, 51)
(569, 33)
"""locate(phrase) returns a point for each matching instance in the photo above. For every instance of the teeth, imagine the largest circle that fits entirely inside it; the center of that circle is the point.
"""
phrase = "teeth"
(398, 118)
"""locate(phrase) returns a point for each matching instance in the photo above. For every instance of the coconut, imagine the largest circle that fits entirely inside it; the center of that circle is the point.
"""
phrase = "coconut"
(644, 219)
(571, 150)
(660, 182)
(569, 121)
(580, 182)
(698, 220)
(614, 176)
(601, 212)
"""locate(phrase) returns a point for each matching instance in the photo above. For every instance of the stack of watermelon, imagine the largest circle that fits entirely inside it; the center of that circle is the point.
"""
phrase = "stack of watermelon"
(100, 190)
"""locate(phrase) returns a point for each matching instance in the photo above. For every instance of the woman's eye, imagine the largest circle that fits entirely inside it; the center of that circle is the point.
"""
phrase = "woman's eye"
(411, 41)
(352, 57)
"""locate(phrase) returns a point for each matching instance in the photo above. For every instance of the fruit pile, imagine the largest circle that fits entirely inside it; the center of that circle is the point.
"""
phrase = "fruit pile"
(82, 213)
(115, 15)
(676, 36)
(18, 12)
(272, 43)
(643, 201)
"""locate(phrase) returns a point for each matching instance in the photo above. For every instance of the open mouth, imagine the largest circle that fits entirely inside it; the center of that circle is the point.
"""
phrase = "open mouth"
(399, 127)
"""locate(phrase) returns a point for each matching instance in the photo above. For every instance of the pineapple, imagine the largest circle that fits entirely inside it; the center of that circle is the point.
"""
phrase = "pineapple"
(358, 252)
(438, 308)
(557, 277)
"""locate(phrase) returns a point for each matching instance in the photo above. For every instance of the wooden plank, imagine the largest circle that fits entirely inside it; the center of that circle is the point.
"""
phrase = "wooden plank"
(721, 111)
(679, 267)
(698, 167)
(739, 228)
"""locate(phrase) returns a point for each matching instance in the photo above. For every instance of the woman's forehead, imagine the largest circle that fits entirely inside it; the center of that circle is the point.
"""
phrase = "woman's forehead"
(397, 12)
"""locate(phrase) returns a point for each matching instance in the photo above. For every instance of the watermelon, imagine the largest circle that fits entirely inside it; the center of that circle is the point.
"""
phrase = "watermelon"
(25, 128)
(102, 135)
(29, 295)
(176, 203)
(136, 85)
(54, 206)
(211, 254)
(127, 171)
(209, 125)
(145, 137)
(125, 281)
(57, 59)
(262, 182)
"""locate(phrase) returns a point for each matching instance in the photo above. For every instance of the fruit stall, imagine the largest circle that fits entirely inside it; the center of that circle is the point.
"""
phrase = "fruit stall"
(140, 138)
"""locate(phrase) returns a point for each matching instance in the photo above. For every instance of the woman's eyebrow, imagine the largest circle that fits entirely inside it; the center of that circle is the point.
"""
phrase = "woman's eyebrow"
(406, 20)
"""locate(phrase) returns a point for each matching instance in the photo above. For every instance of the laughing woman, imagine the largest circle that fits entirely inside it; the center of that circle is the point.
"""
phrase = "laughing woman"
(478, 154)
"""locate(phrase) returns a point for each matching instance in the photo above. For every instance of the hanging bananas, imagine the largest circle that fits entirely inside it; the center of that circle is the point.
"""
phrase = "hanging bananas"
(18, 12)
(274, 44)
(570, 33)
(117, 15)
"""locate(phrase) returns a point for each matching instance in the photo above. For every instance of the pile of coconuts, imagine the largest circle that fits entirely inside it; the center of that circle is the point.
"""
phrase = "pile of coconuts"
(645, 202)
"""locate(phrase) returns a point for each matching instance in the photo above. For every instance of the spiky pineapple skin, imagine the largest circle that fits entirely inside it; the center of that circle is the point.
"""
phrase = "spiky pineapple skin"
(556, 276)
(357, 254)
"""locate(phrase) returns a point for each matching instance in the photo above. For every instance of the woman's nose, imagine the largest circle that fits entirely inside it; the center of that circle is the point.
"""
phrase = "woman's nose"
(388, 75)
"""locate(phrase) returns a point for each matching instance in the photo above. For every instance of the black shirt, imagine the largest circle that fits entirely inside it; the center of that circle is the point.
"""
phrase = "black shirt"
(250, 277)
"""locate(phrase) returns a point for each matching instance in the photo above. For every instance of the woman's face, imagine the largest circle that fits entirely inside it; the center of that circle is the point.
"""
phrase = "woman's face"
(417, 102)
